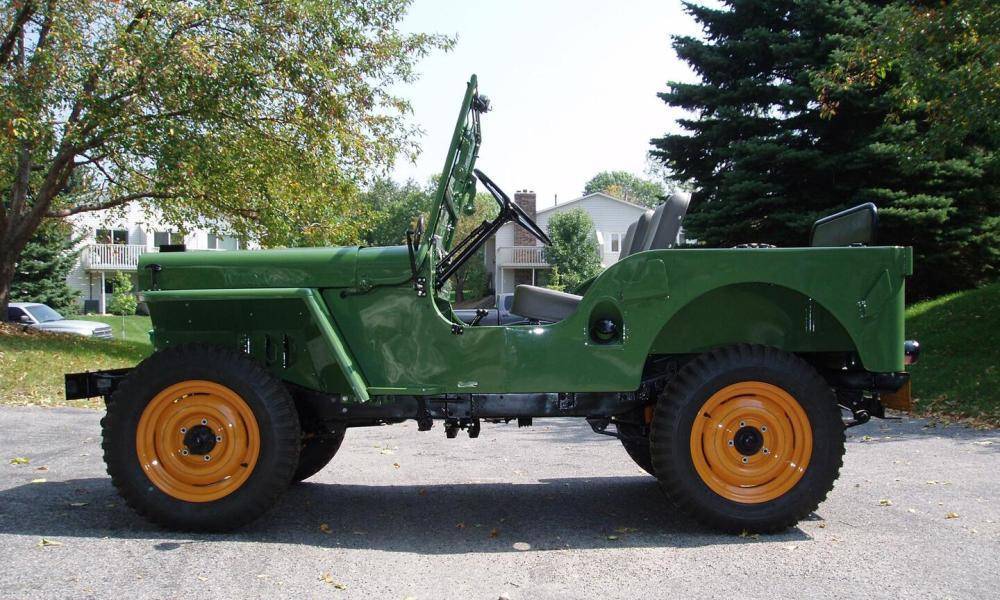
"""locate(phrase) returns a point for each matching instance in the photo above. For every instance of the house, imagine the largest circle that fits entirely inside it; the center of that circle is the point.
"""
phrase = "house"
(113, 240)
(514, 257)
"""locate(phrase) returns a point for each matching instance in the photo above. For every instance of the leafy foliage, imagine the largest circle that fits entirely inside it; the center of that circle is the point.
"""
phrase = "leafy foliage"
(574, 254)
(40, 273)
(626, 186)
(766, 157)
(941, 59)
(472, 275)
(260, 115)
(393, 208)
(123, 301)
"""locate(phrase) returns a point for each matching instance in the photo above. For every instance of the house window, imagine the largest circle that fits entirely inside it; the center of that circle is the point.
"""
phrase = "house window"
(616, 242)
(111, 236)
(222, 242)
(164, 238)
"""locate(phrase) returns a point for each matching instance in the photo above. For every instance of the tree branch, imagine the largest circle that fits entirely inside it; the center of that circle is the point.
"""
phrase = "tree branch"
(112, 203)
(9, 40)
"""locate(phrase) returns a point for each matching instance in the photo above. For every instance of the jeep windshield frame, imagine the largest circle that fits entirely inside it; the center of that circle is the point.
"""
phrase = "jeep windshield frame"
(456, 190)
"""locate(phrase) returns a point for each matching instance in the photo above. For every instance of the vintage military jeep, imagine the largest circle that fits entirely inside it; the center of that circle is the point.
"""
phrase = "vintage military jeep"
(728, 374)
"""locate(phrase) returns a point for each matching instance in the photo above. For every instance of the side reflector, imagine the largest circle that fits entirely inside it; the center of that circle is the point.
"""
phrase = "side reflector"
(898, 400)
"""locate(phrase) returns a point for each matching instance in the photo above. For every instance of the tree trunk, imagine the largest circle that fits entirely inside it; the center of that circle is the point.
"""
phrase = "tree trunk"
(7, 258)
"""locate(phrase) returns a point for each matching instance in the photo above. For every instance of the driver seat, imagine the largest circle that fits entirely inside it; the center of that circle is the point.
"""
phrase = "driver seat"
(654, 230)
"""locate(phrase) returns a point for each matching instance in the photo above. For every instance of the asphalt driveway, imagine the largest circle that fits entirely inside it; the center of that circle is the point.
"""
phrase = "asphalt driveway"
(551, 511)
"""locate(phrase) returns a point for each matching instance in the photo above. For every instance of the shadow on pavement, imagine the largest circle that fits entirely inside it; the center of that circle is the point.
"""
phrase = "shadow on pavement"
(552, 514)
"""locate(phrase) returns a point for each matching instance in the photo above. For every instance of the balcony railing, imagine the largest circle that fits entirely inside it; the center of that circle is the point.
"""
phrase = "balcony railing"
(114, 256)
(526, 256)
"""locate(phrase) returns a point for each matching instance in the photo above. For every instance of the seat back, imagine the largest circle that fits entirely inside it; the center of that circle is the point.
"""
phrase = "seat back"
(636, 243)
(666, 222)
(854, 226)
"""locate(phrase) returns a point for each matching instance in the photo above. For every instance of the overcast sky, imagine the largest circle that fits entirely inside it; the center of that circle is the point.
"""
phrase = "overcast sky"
(573, 86)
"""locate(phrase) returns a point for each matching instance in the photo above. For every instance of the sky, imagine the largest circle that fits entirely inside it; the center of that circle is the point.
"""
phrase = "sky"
(572, 84)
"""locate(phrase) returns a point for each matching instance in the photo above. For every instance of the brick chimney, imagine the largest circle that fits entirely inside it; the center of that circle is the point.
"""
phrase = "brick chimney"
(526, 200)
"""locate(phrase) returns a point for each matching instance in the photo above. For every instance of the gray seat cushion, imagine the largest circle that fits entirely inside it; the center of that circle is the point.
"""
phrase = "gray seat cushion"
(633, 244)
(543, 304)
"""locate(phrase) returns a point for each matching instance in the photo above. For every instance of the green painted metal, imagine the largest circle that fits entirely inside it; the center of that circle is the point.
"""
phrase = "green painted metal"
(349, 321)
(170, 301)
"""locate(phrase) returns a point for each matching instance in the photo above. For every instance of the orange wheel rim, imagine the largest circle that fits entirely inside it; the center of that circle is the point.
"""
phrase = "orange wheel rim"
(751, 442)
(197, 441)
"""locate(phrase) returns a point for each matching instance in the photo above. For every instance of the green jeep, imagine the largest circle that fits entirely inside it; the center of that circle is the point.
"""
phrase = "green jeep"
(727, 374)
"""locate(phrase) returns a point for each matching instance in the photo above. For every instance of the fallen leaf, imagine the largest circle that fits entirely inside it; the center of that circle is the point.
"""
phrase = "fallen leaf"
(78, 504)
(395, 465)
(951, 515)
(328, 578)
(359, 532)
(325, 528)
(885, 502)
(822, 525)
(494, 532)
(20, 460)
(422, 492)
(522, 546)
(44, 542)
(39, 480)
(791, 547)
(42, 468)
(866, 438)
(460, 525)
(200, 578)
(626, 530)
(612, 537)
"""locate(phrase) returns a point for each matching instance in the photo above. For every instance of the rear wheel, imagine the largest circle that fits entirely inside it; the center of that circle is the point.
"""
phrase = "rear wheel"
(316, 452)
(747, 438)
(200, 438)
(636, 445)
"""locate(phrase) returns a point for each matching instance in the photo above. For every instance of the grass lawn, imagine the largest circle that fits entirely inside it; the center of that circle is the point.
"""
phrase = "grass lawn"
(32, 363)
(136, 327)
(959, 368)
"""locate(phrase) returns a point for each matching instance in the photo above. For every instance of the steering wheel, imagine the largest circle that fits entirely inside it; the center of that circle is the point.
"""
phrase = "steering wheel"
(512, 211)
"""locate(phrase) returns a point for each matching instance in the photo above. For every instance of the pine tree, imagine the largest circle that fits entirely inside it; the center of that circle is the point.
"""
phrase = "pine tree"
(40, 273)
(767, 157)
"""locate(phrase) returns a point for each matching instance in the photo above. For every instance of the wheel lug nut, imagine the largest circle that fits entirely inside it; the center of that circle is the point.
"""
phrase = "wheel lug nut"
(766, 451)
(204, 421)
(218, 438)
(743, 423)
(745, 460)
(731, 443)
(184, 451)
(184, 429)
(763, 428)
(208, 457)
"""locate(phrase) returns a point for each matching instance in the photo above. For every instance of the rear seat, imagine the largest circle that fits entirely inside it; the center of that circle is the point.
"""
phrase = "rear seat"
(653, 230)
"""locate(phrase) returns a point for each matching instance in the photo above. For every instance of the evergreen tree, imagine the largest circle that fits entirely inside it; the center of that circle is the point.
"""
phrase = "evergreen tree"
(40, 273)
(766, 156)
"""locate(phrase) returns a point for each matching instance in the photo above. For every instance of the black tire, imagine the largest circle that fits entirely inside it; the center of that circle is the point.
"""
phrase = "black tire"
(273, 412)
(316, 452)
(637, 449)
(683, 401)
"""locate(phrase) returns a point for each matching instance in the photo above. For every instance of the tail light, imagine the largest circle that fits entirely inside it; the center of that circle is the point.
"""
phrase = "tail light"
(911, 351)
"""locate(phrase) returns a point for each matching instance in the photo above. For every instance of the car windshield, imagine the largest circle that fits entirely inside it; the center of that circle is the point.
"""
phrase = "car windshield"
(43, 314)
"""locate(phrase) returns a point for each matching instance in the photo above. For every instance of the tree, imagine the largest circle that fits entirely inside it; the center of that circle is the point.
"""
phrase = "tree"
(123, 301)
(939, 58)
(244, 112)
(626, 186)
(40, 272)
(766, 158)
(574, 254)
(393, 208)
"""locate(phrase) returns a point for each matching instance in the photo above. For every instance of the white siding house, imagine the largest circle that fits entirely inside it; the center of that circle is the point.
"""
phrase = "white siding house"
(513, 257)
(112, 241)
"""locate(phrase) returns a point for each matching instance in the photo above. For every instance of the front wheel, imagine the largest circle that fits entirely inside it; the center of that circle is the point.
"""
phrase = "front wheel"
(747, 438)
(200, 438)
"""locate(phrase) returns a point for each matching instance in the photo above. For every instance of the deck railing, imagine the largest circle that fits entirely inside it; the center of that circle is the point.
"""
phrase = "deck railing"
(123, 257)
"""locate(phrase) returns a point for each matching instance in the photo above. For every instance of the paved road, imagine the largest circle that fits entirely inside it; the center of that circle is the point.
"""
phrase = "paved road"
(552, 511)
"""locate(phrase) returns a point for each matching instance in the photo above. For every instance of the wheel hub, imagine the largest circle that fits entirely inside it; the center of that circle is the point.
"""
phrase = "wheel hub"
(199, 440)
(748, 440)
